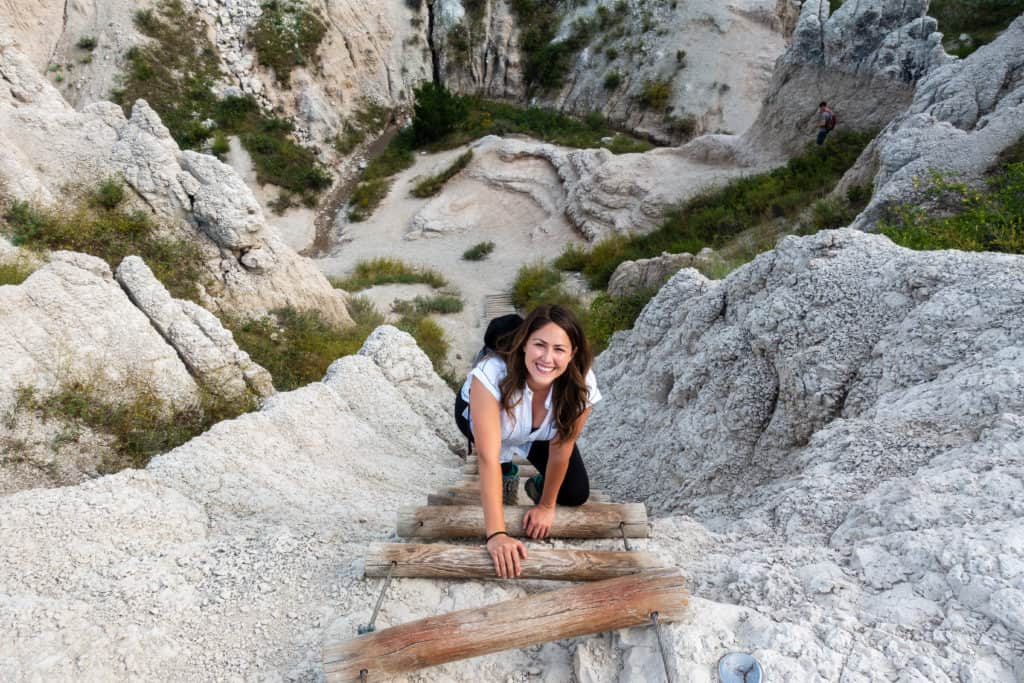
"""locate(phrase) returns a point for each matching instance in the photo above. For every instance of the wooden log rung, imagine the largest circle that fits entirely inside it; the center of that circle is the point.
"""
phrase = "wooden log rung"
(463, 497)
(593, 520)
(565, 613)
(439, 560)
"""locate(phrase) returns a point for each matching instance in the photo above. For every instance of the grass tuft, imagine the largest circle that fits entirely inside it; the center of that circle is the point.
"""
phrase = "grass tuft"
(385, 270)
(479, 251)
(444, 304)
(14, 272)
(431, 185)
(110, 234)
(286, 36)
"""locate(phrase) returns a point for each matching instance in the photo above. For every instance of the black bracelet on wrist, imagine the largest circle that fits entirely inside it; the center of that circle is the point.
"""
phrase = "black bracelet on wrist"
(496, 533)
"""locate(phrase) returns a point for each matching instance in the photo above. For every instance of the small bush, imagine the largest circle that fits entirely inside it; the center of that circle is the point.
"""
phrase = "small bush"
(348, 138)
(86, 43)
(681, 58)
(612, 54)
(220, 146)
(479, 251)
(539, 283)
(286, 36)
(110, 234)
(655, 95)
(431, 185)
(682, 126)
(385, 270)
(430, 338)
(14, 272)
(109, 194)
(612, 80)
(443, 304)
(366, 198)
(858, 195)
(609, 314)
(141, 428)
(828, 214)
(976, 220)
(437, 112)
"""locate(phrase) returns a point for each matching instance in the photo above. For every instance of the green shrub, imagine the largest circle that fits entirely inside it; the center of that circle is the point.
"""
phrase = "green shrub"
(437, 112)
(609, 314)
(539, 283)
(110, 234)
(175, 73)
(977, 220)
(655, 95)
(86, 43)
(612, 54)
(430, 338)
(220, 146)
(348, 138)
(14, 272)
(682, 126)
(444, 304)
(681, 58)
(108, 195)
(612, 80)
(431, 185)
(828, 214)
(366, 198)
(714, 217)
(982, 20)
(479, 251)
(385, 270)
(141, 428)
(286, 35)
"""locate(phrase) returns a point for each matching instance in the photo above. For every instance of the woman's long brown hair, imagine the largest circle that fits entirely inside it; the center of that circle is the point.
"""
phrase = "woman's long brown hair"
(569, 392)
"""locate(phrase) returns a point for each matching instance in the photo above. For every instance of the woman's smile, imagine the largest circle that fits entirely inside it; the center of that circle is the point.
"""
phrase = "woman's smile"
(548, 352)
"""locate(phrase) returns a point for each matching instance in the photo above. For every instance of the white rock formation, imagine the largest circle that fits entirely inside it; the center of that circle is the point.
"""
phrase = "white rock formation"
(864, 60)
(50, 147)
(729, 51)
(963, 115)
(70, 321)
(600, 193)
(631, 277)
(207, 349)
(836, 432)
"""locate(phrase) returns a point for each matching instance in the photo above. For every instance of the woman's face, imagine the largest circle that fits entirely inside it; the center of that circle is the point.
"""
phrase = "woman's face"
(548, 352)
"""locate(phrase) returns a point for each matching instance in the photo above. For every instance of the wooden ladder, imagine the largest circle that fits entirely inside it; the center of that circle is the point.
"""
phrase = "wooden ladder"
(625, 588)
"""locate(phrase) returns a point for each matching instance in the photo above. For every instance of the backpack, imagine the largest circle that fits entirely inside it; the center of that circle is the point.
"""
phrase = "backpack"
(832, 120)
(499, 334)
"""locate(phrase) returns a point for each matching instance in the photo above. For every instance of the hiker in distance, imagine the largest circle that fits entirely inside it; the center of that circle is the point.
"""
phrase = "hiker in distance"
(531, 392)
(826, 121)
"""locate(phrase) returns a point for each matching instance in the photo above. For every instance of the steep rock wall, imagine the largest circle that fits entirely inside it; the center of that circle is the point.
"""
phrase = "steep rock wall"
(963, 115)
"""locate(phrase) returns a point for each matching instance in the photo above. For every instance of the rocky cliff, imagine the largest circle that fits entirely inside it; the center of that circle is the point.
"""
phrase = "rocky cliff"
(963, 116)
(714, 59)
(50, 148)
(864, 60)
(836, 431)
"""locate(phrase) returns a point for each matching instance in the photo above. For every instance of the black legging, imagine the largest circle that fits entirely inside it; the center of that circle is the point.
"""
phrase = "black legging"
(576, 485)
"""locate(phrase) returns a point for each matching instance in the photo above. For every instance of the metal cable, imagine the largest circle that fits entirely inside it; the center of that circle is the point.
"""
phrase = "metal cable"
(369, 628)
(661, 647)
(625, 542)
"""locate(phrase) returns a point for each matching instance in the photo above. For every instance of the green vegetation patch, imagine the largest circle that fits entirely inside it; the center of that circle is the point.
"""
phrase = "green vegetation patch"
(713, 218)
(383, 270)
(989, 219)
(141, 428)
(286, 36)
(14, 272)
(982, 20)
(443, 304)
(175, 73)
(431, 185)
(479, 251)
(98, 225)
(539, 283)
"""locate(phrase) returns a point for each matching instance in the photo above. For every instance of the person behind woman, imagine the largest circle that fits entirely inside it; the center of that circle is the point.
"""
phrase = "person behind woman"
(536, 393)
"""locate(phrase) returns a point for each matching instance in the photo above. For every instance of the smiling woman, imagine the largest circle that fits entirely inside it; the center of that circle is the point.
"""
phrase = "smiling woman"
(529, 395)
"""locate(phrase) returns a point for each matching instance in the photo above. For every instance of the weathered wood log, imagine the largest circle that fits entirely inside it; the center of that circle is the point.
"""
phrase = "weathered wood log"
(439, 560)
(593, 520)
(462, 497)
(565, 613)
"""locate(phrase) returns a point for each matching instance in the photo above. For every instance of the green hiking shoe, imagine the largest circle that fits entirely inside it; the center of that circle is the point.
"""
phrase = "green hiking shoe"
(534, 487)
(510, 484)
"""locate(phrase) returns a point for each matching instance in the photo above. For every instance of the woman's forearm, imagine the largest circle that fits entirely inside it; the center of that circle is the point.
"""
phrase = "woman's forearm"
(490, 494)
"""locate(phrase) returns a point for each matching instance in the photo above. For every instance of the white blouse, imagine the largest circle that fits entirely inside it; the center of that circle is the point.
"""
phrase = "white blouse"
(517, 431)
